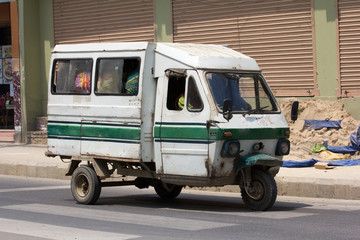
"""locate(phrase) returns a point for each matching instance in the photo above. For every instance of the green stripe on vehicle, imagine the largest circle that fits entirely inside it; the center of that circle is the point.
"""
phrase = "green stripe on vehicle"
(94, 131)
(105, 132)
(64, 129)
(182, 132)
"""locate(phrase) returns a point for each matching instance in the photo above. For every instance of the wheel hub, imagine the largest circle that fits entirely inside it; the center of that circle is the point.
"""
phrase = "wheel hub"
(82, 186)
(255, 191)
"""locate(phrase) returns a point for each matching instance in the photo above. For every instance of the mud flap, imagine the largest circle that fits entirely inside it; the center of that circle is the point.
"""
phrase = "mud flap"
(258, 159)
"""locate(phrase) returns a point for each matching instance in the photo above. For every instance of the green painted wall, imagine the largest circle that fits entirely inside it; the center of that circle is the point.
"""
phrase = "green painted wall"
(30, 58)
(326, 54)
(46, 46)
(35, 35)
(163, 21)
(326, 47)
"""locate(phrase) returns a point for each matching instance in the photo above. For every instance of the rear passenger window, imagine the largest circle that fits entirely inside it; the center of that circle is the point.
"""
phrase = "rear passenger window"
(117, 76)
(72, 76)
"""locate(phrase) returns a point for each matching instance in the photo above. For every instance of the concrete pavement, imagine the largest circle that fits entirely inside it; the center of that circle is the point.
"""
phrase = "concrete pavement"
(340, 182)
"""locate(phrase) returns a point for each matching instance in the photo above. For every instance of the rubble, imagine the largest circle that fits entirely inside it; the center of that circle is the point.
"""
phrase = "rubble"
(302, 140)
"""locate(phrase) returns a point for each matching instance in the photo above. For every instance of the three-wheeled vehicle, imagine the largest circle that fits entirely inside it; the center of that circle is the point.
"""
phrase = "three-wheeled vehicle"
(166, 115)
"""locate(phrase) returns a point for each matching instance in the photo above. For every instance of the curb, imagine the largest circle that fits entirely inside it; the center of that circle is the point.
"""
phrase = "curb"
(318, 188)
(341, 187)
(51, 172)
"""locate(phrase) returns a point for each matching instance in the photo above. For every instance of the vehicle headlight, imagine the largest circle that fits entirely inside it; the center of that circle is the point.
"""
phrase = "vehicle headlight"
(282, 147)
(230, 149)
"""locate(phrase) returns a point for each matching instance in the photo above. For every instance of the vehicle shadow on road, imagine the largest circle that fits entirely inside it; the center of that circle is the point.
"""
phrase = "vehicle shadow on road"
(193, 202)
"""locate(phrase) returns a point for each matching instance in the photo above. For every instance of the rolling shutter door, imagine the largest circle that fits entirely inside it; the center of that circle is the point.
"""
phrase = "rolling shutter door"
(84, 21)
(349, 47)
(278, 34)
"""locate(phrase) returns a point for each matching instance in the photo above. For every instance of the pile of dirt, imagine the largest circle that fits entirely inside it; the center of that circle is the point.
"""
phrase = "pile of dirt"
(302, 140)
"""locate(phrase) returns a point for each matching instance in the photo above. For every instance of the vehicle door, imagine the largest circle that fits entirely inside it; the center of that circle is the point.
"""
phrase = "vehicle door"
(183, 132)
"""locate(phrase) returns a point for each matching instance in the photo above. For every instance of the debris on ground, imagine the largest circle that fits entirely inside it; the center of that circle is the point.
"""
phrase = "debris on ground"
(302, 140)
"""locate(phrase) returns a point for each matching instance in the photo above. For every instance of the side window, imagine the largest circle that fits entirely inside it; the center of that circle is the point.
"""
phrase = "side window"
(115, 76)
(72, 76)
(194, 102)
(109, 76)
(176, 93)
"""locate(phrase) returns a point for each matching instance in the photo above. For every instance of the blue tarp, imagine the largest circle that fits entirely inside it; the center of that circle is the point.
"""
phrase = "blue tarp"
(341, 149)
(352, 149)
(299, 164)
(311, 163)
(319, 124)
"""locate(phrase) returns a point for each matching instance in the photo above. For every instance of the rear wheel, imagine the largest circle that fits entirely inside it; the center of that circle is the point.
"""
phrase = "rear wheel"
(85, 185)
(262, 192)
(167, 191)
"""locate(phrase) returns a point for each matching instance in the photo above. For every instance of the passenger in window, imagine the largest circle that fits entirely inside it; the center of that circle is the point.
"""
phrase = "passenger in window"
(108, 82)
(82, 80)
(180, 102)
(132, 72)
(194, 101)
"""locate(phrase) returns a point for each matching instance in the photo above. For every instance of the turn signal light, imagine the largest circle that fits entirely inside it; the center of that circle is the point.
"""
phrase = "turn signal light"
(227, 134)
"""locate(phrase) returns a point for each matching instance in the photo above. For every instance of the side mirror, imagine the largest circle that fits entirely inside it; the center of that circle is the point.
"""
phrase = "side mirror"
(227, 109)
(294, 111)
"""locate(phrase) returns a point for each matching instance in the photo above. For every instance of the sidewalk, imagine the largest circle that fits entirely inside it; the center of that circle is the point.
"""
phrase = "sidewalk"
(340, 182)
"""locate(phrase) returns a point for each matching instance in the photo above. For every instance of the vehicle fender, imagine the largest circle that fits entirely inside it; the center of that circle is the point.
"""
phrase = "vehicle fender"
(258, 159)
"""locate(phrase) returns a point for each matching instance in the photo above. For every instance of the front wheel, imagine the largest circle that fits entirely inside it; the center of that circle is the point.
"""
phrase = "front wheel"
(167, 191)
(85, 185)
(262, 192)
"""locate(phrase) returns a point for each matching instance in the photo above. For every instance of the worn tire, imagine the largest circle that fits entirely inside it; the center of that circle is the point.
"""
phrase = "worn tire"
(263, 193)
(85, 185)
(167, 191)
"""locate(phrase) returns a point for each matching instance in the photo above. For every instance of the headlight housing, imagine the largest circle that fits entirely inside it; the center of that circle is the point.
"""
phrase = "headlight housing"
(282, 147)
(230, 149)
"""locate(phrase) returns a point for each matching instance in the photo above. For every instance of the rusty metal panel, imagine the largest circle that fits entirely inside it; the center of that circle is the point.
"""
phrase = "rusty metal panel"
(85, 21)
(278, 34)
(349, 47)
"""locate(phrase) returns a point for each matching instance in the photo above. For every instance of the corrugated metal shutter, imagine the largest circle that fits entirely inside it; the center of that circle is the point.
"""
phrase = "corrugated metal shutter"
(278, 34)
(83, 21)
(349, 47)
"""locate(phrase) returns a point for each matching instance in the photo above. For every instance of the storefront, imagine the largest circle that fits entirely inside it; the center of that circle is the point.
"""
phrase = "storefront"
(278, 34)
(348, 41)
(9, 70)
(103, 21)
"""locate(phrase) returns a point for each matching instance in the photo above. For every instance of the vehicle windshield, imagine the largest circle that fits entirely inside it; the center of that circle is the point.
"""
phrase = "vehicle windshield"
(248, 91)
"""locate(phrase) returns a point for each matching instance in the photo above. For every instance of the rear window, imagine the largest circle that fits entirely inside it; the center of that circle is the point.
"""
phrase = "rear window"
(72, 76)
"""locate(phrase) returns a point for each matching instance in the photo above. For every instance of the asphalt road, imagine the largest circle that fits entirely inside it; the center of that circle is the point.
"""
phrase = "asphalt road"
(33, 208)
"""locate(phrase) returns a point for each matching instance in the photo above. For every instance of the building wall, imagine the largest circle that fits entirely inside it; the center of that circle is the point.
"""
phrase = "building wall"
(326, 47)
(46, 45)
(163, 21)
(327, 54)
(36, 42)
(35, 33)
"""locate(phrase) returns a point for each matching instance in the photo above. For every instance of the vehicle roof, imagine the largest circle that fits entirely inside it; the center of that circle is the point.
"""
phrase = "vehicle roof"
(100, 47)
(203, 56)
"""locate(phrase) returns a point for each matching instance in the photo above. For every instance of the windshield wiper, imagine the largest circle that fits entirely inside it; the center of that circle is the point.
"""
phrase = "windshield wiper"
(254, 110)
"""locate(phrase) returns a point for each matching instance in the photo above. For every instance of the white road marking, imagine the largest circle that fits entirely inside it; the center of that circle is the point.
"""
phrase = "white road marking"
(57, 232)
(346, 205)
(33, 189)
(120, 217)
(266, 214)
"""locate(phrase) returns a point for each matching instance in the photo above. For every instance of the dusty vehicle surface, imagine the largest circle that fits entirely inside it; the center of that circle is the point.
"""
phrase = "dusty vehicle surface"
(167, 114)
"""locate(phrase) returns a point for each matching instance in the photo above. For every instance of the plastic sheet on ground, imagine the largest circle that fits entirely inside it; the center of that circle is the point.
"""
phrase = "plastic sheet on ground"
(351, 149)
(312, 162)
(319, 124)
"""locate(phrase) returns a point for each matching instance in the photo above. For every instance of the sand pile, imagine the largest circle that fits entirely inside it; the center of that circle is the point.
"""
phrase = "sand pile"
(302, 140)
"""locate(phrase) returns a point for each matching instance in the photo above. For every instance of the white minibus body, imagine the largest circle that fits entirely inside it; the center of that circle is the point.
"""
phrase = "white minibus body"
(169, 114)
